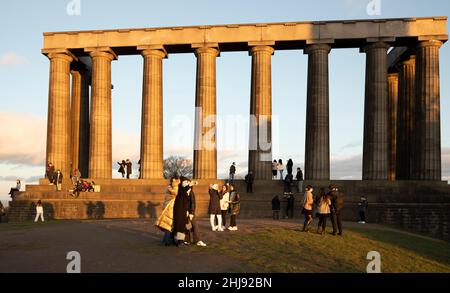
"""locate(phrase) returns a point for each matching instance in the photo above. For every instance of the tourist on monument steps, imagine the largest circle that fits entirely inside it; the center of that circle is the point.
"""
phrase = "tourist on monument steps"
(363, 204)
(307, 207)
(280, 168)
(276, 207)
(122, 166)
(232, 172)
(249, 181)
(235, 207)
(39, 211)
(165, 221)
(214, 208)
(337, 205)
(13, 190)
(288, 183)
(323, 210)
(274, 169)
(299, 178)
(50, 173)
(58, 180)
(290, 205)
(181, 211)
(224, 204)
(129, 168)
(289, 166)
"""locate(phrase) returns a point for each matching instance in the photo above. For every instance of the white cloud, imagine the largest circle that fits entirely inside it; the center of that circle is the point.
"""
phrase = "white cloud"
(12, 59)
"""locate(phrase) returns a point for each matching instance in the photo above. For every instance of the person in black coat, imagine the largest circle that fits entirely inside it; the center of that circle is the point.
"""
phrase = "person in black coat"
(193, 221)
(288, 183)
(214, 207)
(249, 181)
(289, 166)
(276, 207)
(129, 168)
(336, 207)
(181, 211)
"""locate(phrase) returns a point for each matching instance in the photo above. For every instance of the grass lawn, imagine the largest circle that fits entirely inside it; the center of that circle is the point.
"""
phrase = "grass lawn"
(288, 250)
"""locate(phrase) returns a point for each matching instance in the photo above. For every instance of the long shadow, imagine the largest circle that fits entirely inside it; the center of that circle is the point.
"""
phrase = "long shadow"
(436, 250)
(95, 210)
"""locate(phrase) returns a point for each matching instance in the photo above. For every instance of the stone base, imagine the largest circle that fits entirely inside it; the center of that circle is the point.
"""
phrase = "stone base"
(420, 206)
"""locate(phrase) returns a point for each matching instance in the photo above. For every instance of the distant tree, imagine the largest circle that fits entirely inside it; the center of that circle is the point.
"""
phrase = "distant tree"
(177, 165)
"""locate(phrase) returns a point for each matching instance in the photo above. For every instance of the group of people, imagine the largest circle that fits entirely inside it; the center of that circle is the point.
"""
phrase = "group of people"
(125, 167)
(278, 168)
(178, 219)
(55, 177)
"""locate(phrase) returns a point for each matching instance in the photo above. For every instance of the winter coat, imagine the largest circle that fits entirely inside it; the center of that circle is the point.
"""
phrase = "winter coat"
(280, 167)
(235, 202)
(299, 176)
(214, 202)
(289, 166)
(224, 202)
(165, 220)
(274, 166)
(121, 168)
(180, 209)
(249, 178)
(363, 206)
(192, 203)
(276, 204)
(171, 193)
(232, 169)
(324, 205)
(129, 169)
(337, 201)
(308, 201)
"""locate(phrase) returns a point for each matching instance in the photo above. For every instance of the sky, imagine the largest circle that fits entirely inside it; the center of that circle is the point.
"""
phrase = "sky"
(24, 80)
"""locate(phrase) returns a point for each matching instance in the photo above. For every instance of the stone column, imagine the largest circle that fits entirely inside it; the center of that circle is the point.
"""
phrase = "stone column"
(100, 147)
(427, 152)
(152, 115)
(260, 148)
(406, 118)
(317, 144)
(58, 120)
(393, 100)
(80, 120)
(376, 147)
(205, 152)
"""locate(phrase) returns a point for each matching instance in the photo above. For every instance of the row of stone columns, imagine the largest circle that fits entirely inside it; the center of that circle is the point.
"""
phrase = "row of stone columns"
(418, 147)
(401, 114)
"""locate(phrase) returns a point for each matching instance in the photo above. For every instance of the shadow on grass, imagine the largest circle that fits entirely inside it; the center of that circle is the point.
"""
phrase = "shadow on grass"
(434, 249)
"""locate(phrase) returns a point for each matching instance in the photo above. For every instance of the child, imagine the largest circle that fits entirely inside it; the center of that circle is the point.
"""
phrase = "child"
(363, 204)
(39, 211)
(276, 207)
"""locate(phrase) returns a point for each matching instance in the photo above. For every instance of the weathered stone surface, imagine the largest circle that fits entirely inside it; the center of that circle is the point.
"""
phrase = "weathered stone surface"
(392, 123)
(317, 143)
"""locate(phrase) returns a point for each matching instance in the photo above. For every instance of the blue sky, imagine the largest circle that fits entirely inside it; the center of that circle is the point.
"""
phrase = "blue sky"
(24, 78)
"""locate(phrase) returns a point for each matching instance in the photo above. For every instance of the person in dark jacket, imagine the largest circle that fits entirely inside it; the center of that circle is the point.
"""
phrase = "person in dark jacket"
(122, 166)
(232, 172)
(58, 180)
(363, 204)
(50, 173)
(289, 166)
(336, 207)
(299, 178)
(193, 221)
(288, 183)
(235, 207)
(249, 181)
(214, 208)
(129, 168)
(276, 207)
(290, 205)
(181, 211)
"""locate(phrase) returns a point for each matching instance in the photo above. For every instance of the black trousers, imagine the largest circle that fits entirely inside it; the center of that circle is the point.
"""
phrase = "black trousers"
(322, 221)
(290, 208)
(233, 221)
(249, 187)
(362, 216)
(276, 214)
(336, 220)
(194, 231)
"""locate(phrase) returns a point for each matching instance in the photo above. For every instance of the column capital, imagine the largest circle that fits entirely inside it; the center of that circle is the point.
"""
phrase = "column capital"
(102, 52)
(261, 48)
(317, 47)
(152, 50)
(429, 43)
(375, 45)
(392, 75)
(207, 50)
(60, 53)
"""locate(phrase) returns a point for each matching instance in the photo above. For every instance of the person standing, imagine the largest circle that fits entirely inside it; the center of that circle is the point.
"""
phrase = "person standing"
(363, 204)
(337, 205)
(192, 219)
(39, 211)
(58, 180)
(290, 205)
(181, 211)
(235, 207)
(276, 207)
(280, 168)
(50, 173)
(167, 215)
(139, 170)
(122, 166)
(129, 168)
(308, 202)
(224, 204)
(232, 172)
(289, 166)
(288, 183)
(274, 169)
(249, 181)
(214, 208)
(299, 178)
(323, 210)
